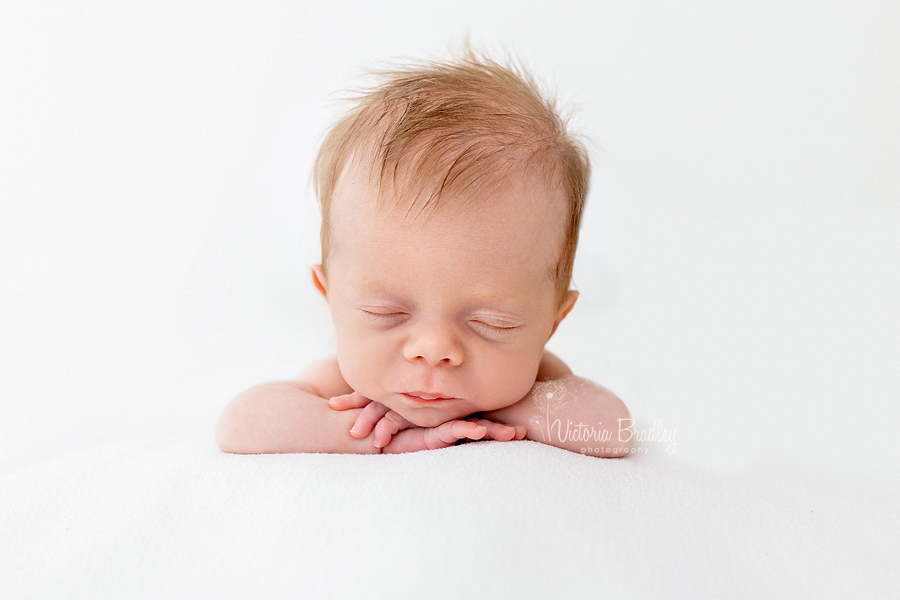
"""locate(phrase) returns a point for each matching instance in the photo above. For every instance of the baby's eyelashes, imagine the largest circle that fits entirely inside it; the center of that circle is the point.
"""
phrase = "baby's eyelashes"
(382, 315)
(480, 323)
(495, 328)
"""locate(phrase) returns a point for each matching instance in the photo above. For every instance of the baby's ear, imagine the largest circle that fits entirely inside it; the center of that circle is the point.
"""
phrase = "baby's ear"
(318, 276)
(564, 308)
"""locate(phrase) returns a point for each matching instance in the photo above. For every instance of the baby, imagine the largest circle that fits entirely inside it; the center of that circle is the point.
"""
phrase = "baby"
(451, 198)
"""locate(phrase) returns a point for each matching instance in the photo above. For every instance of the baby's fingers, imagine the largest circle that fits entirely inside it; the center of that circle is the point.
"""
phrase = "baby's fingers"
(367, 419)
(387, 427)
(452, 431)
(348, 401)
(501, 432)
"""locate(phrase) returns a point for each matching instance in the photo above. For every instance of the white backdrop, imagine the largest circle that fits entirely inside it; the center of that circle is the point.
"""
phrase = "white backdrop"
(739, 259)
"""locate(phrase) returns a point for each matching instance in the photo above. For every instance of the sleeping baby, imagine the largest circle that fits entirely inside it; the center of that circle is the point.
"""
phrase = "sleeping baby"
(451, 197)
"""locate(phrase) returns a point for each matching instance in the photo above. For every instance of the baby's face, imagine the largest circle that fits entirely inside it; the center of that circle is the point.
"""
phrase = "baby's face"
(442, 317)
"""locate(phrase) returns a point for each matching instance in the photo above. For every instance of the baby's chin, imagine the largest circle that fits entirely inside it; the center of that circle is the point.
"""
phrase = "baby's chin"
(428, 416)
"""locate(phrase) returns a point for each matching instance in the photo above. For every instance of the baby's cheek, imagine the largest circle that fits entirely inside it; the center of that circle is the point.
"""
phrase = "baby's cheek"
(518, 381)
(351, 366)
(360, 370)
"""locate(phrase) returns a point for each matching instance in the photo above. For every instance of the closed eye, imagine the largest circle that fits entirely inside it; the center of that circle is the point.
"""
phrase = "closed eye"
(495, 328)
(392, 316)
(382, 316)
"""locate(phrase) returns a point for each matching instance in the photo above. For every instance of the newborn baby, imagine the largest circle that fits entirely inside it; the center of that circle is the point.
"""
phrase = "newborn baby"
(451, 198)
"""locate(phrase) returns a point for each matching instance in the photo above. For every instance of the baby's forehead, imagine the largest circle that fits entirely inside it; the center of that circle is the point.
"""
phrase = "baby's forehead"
(502, 255)
(496, 229)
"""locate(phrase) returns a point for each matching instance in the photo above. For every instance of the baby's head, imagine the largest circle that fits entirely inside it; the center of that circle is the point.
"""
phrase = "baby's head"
(451, 199)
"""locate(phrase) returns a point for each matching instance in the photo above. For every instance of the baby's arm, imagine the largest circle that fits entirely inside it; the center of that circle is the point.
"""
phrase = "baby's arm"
(568, 412)
(293, 416)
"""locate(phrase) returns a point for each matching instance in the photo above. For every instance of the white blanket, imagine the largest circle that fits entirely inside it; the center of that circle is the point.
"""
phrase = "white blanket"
(489, 519)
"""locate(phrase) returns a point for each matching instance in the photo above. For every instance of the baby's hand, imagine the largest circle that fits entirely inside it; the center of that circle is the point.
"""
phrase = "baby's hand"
(449, 433)
(375, 415)
(394, 434)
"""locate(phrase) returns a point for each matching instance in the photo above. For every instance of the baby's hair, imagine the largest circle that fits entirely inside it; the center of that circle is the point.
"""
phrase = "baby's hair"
(459, 128)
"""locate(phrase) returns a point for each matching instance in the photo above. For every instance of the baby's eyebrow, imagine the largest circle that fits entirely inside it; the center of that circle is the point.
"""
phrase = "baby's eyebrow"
(499, 307)
(376, 290)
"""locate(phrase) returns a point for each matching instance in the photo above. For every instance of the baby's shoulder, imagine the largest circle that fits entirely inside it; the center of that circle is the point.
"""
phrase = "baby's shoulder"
(552, 367)
(324, 379)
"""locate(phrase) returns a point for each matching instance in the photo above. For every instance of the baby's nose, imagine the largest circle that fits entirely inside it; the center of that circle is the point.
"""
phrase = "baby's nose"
(434, 345)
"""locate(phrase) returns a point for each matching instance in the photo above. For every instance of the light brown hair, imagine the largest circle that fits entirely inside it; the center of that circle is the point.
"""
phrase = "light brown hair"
(459, 129)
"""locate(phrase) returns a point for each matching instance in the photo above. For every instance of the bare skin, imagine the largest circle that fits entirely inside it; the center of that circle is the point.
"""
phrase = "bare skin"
(393, 433)
(317, 413)
(441, 324)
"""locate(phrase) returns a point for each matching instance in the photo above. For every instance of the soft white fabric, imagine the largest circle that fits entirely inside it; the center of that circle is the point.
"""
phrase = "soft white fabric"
(489, 519)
